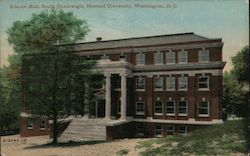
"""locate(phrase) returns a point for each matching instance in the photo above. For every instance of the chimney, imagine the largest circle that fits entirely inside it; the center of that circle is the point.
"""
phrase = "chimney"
(98, 39)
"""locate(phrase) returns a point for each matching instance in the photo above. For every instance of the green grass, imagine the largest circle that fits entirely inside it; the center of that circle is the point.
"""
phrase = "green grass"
(223, 139)
(122, 152)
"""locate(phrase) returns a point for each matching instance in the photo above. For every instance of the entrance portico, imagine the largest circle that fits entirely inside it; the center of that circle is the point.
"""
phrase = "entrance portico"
(121, 68)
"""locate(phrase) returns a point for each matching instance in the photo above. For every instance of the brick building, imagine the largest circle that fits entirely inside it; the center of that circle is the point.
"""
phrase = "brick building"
(154, 86)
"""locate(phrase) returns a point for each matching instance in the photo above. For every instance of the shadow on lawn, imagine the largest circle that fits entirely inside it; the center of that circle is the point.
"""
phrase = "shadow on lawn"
(66, 144)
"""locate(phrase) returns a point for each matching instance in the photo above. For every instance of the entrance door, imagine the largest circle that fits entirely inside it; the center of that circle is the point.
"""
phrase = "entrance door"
(100, 108)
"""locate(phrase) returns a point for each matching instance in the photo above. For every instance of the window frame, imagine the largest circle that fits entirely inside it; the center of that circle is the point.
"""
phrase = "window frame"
(183, 114)
(167, 84)
(208, 107)
(43, 128)
(29, 122)
(173, 130)
(140, 112)
(179, 83)
(180, 57)
(158, 56)
(203, 89)
(140, 57)
(156, 131)
(144, 84)
(161, 107)
(201, 52)
(162, 86)
(170, 114)
(174, 57)
(186, 129)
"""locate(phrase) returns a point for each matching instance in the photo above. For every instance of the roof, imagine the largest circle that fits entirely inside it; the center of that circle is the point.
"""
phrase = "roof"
(142, 41)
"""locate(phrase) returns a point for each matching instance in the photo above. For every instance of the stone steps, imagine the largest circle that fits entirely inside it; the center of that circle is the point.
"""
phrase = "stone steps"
(84, 130)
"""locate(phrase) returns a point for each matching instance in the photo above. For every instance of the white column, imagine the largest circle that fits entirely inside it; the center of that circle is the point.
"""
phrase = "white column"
(108, 97)
(123, 96)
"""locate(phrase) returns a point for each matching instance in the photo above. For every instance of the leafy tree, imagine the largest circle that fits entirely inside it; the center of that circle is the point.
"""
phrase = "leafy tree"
(50, 70)
(241, 64)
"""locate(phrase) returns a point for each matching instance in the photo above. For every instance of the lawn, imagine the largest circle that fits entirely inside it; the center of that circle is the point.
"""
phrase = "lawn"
(222, 139)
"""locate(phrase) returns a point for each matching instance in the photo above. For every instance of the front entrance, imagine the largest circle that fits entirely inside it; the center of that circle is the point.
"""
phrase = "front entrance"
(100, 108)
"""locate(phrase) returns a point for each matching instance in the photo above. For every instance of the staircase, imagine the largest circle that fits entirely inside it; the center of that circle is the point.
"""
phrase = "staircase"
(82, 129)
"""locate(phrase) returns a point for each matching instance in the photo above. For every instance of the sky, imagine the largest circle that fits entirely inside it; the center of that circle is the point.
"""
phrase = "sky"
(226, 19)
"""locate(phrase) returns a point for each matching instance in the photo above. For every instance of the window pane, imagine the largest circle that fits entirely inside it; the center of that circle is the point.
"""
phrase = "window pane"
(182, 107)
(203, 108)
(158, 129)
(182, 129)
(170, 57)
(140, 59)
(140, 83)
(158, 82)
(203, 82)
(183, 83)
(182, 57)
(171, 83)
(158, 57)
(170, 107)
(158, 107)
(140, 107)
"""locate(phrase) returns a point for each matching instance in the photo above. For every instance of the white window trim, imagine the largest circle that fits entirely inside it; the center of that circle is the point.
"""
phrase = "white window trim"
(170, 114)
(140, 113)
(161, 58)
(208, 107)
(158, 135)
(203, 89)
(182, 89)
(159, 89)
(174, 58)
(199, 56)
(167, 89)
(186, 53)
(161, 108)
(137, 62)
(182, 114)
(144, 84)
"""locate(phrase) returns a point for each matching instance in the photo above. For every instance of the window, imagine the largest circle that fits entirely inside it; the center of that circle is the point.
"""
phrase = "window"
(140, 108)
(182, 129)
(140, 84)
(183, 108)
(183, 83)
(158, 130)
(203, 56)
(170, 57)
(183, 57)
(140, 59)
(158, 107)
(170, 83)
(170, 108)
(42, 124)
(139, 130)
(204, 108)
(170, 130)
(203, 82)
(158, 83)
(158, 57)
(29, 124)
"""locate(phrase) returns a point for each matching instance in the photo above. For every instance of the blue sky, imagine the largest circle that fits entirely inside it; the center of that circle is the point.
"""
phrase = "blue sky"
(227, 19)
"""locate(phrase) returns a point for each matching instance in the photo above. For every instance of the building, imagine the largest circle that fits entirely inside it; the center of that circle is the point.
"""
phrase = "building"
(155, 86)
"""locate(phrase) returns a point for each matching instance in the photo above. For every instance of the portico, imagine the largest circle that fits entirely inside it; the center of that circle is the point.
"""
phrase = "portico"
(122, 68)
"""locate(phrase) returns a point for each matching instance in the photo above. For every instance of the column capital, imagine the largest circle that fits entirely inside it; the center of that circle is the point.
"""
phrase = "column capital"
(123, 74)
(107, 74)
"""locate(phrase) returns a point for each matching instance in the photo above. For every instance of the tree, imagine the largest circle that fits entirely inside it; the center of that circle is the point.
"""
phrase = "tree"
(241, 64)
(50, 70)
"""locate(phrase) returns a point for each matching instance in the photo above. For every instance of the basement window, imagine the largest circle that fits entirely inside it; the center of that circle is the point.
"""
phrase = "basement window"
(170, 130)
(182, 129)
(158, 130)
